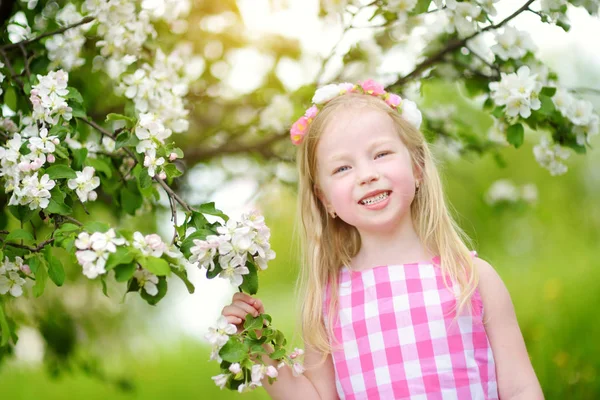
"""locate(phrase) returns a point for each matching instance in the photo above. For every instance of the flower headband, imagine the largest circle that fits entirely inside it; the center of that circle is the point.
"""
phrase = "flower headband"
(408, 109)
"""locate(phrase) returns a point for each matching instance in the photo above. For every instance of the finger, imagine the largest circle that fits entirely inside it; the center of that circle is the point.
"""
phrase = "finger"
(246, 307)
(243, 297)
(234, 311)
(259, 306)
(234, 320)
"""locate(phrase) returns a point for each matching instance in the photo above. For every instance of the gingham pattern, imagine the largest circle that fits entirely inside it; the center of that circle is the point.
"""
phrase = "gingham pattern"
(400, 338)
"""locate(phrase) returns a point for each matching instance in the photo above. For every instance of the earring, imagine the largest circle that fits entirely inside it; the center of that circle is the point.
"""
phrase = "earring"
(333, 214)
(417, 185)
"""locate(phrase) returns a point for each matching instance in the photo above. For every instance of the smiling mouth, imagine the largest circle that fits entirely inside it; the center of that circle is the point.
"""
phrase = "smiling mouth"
(375, 199)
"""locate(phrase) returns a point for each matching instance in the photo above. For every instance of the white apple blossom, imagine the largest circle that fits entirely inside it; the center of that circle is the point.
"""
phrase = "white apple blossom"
(411, 113)
(94, 249)
(219, 334)
(234, 271)
(43, 143)
(151, 162)
(10, 280)
(47, 98)
(84, 184)
(519, 92)
(551, 156)
(18, 28)
(221, 380)
(512, 43)
(147, 280)
(257, 373)
(204, 251)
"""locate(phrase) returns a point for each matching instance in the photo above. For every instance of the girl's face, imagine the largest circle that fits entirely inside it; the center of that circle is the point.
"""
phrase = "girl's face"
(364, 170)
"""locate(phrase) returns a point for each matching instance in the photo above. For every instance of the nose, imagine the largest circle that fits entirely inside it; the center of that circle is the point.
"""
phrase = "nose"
(368, 175)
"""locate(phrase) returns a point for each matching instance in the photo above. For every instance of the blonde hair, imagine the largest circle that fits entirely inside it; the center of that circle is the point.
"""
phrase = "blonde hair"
(327, 244)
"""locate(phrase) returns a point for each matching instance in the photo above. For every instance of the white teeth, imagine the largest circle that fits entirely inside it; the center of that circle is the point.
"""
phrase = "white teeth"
(375, 199)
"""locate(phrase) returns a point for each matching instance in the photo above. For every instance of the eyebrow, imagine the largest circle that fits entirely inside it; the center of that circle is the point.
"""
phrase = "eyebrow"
(340, 156)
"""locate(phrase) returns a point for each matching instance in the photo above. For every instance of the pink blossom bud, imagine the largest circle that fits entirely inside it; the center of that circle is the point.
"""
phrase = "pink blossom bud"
(25, 269)
(281, 365)
(24, 166)
(51, 158)
(162, 175)
(293, 355)
(297, 369)
(298, 351)
(92, 196)
(56, 141)
(172, 157)
(272, 371)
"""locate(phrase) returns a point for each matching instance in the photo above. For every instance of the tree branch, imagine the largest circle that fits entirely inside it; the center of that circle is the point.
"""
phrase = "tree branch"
(30, 248)
(56, 32)
(261, 147)
(454, 45)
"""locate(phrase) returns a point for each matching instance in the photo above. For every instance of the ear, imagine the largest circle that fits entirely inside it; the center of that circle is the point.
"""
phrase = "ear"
(321, 196)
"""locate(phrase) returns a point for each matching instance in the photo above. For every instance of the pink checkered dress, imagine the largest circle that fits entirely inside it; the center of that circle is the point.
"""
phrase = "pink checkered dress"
(401, 341)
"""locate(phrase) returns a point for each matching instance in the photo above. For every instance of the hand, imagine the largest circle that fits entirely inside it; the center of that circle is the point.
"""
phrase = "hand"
(242, 304)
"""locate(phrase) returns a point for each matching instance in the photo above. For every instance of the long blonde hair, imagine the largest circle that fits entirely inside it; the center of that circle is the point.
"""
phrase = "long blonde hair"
(327, 244)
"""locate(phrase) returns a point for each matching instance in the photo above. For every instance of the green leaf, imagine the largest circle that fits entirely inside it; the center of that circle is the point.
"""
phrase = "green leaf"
(34, 263)
(422, 6)
(253, 322)
(104, 287)
(171, 171)
(60, 131)
(5, 328)
(250, 283)
(74, 94)
(18, 234)
(61, 172)
(131, 198)
(78, 110)
(79, 156)
(144, 180)
(548, 91)
(162, 291)
(277, 354)
(124, 272)
(95, 226)
(188, 242)
(157, 266)
(515, 135)
(215, 272)
(55, 270)
(498, 112)
(209, 208)
(22, 213)
(547, 107)
(182, 274)
(233, 351)
(129, 122)
(101, 165)
(58, 207)
(41, 275)
(198, 220)
(67, 228)
(123, 255)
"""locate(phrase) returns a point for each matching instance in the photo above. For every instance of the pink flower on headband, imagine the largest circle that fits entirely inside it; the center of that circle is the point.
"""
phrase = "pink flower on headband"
(346, 87)
(393, 100)
(299, 129)
(373, 88)
(311, 113)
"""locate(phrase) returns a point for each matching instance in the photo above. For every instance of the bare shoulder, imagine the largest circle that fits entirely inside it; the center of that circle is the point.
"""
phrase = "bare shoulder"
(490, 282)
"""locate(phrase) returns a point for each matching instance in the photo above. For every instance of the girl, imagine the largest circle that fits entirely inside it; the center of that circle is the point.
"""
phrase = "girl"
(395, 306)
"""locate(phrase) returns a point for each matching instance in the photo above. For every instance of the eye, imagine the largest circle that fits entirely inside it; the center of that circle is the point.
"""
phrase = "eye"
(340, 169)
(383, 153)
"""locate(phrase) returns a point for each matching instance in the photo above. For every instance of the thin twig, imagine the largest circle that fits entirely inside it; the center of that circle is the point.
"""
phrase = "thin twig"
(56, 32)
(171, 193)
(30, 248)
(24, 52)
(13, 74)
(454, 45)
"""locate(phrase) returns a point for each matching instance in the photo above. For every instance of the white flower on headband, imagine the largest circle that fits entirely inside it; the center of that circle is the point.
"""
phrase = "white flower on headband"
(408, 109)
(326, 93)
(411, 113)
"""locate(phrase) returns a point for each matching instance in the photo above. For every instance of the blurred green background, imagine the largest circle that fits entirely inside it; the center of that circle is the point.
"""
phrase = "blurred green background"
(547, 255)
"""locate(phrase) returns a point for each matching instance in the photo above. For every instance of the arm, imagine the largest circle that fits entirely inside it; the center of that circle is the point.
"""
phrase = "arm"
(514, 372)
(317, 382)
